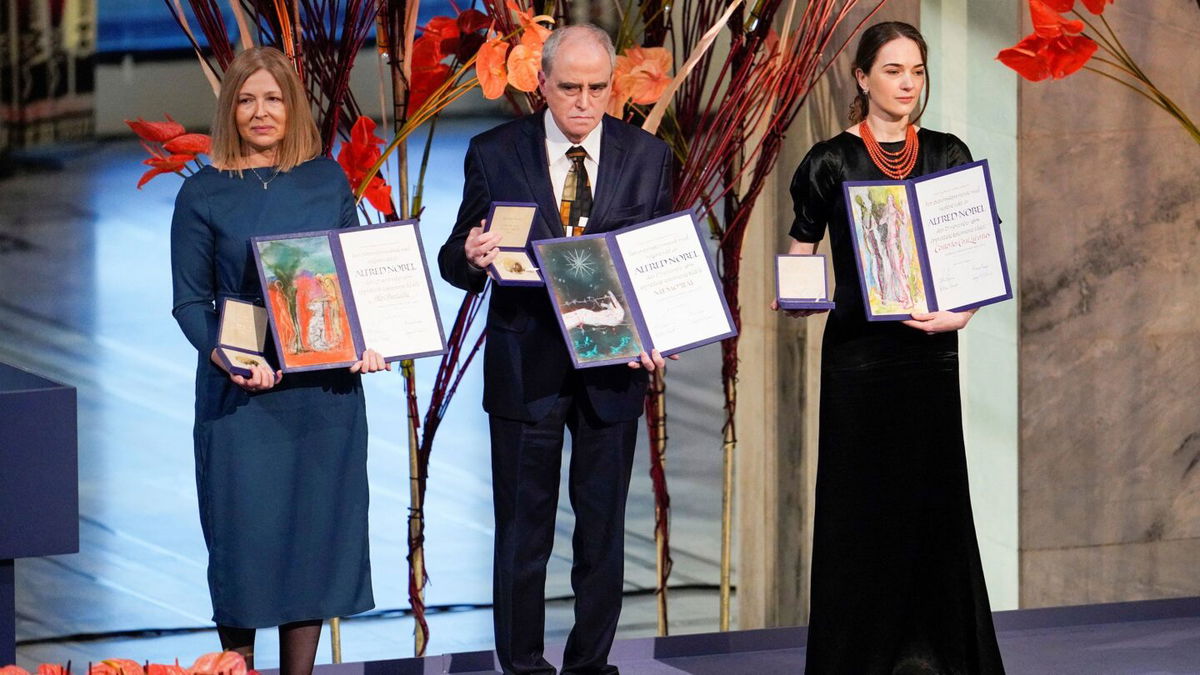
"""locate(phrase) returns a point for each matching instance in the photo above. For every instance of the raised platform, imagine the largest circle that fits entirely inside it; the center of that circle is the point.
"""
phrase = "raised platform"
(1153, 636)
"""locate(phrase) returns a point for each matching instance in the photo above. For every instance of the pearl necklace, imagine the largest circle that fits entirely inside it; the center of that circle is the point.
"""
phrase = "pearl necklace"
(895, 165)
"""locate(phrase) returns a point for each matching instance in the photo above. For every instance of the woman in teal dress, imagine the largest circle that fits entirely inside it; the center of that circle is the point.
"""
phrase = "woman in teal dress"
(280, 462)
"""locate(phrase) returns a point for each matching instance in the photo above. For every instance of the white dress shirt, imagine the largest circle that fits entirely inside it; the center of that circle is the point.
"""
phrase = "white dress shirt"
(557, 145)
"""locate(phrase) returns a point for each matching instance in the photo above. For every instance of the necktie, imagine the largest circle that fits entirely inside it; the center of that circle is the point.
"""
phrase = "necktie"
(576, 203)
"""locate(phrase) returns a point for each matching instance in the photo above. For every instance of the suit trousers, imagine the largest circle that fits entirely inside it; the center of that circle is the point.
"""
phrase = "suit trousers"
(526, 463)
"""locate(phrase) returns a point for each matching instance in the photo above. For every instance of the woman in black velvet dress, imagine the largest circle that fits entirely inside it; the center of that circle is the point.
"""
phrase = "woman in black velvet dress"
(897, 585)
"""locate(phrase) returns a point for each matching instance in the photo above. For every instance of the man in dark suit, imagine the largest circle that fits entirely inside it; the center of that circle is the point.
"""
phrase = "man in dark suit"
(531, 390)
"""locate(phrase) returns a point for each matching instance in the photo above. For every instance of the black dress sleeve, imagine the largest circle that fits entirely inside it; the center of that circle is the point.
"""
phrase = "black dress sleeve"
(193, 267)
(813, 191)
(957, 152)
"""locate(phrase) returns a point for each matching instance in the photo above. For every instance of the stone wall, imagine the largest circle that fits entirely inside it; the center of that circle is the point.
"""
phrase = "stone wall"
(1110, 332)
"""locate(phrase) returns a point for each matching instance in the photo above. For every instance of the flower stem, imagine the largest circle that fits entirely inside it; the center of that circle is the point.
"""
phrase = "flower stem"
(1128, 59)
(1145, 94)
(1130, 67)
(420, 191)
(1103, 40)
(1158, 99)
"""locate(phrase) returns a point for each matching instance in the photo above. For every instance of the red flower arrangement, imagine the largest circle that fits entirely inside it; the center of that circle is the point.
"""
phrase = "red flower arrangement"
(170, 146)
(358, 157)
(1055, 49)
(1059, 47)
(641, 76)
(443, 37)
(216, 663)
(497, 65)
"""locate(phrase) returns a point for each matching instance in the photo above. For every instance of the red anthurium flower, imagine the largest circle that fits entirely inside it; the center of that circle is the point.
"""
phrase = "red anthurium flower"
(491, 69)
(1026, 58)
(219, 663)
(1068, 54)
(444, 31)
(116, 667)
(358, 156)
(472, 20)
(1048, 23)
(1061, 6)
(425, 81)
(160, 165)
(1036, 58)
(163, 669)
(156, 132)
(13, 670)
(188, 144)
(1096, 6)
(531, 23)
(524, 62)
(643, 73)
(379, 194)
(426, 52)
(51, 669)
(428, 72)
(363, 133)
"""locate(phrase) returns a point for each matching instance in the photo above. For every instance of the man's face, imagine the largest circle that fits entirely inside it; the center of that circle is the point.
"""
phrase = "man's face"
(578, 87)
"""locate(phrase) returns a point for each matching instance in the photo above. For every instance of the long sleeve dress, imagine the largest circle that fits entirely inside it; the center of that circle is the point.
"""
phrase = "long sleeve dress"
(281, 475)
(897, 584)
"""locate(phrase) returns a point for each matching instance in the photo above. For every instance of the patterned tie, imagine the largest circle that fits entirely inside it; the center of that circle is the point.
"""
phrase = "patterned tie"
(576, 203)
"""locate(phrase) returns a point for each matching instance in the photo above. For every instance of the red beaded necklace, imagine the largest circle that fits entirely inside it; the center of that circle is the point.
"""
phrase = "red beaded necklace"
(895, 165)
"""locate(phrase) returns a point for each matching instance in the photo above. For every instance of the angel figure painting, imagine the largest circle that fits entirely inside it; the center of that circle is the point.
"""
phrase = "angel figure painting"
(307, 309)
(595, 313)
(889, 266)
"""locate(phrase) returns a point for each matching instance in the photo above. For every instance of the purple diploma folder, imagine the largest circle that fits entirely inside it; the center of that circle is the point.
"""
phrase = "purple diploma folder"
(645, 287)
(332, 294)
(927, 244)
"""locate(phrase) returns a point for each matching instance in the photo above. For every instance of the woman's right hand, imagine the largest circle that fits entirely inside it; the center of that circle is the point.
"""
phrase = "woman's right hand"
(796, 313)
(261, 378)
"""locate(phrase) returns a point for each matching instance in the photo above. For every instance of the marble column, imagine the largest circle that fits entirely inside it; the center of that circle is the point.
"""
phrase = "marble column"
(1110, 334)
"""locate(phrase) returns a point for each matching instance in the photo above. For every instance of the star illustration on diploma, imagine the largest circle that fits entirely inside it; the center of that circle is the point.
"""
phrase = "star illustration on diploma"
(580, 263)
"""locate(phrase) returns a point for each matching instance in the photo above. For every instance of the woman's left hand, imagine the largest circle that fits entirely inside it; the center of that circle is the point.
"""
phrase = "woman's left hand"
(939, 322)
(371, 362)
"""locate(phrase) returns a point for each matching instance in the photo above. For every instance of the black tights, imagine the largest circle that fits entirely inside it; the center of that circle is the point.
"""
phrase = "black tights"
(297, 645)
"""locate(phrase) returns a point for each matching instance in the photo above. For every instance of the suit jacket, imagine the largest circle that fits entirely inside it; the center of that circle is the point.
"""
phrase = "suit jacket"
(525, 363)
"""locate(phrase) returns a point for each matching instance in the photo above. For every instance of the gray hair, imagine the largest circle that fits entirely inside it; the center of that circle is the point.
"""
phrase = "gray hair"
(580, 30)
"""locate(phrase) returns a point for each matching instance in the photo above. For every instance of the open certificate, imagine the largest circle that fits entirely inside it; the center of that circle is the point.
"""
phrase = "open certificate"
(334, 293)
(650, 286)
(929, 243)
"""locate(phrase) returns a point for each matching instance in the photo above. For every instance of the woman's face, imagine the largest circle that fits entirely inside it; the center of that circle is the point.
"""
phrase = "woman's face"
(896, 79)
(261, 114)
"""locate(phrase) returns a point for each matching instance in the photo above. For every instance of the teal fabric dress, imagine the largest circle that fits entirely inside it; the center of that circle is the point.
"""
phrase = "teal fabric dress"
(281, 475)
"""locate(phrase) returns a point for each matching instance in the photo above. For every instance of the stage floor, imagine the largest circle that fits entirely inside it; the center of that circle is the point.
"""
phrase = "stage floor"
(1142, 638)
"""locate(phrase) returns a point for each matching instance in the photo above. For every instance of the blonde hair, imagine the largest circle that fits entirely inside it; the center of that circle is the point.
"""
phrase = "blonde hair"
(301, 140)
